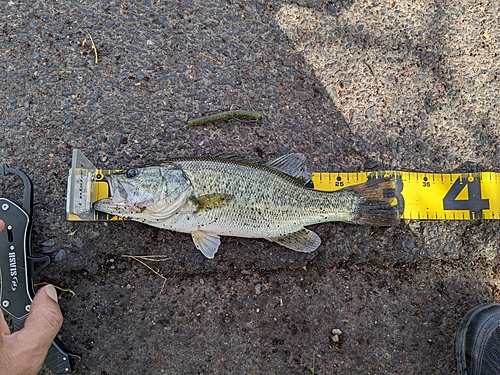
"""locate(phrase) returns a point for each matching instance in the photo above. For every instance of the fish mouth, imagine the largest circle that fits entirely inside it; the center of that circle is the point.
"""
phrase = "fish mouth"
(120, 200)
(119, 191)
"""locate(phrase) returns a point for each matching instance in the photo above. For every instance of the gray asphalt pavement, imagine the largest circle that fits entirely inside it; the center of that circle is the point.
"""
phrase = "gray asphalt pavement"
(353, 85)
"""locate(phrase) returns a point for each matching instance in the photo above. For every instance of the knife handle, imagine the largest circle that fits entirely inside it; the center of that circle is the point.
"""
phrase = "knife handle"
(59, 360)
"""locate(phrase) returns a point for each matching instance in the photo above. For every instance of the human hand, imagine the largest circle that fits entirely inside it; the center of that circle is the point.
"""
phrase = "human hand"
(23, 352)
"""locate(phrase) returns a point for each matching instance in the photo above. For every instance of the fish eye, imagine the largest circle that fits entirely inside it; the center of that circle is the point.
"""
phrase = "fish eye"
(131, 173)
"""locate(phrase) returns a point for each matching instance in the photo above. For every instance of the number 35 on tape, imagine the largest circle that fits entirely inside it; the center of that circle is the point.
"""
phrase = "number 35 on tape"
(430, 196)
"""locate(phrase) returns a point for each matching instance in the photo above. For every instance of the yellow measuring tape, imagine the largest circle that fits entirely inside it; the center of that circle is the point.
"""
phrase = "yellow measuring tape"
(430, 196)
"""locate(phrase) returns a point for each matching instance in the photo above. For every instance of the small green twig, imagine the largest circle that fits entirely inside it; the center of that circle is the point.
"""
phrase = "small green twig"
(61, 289)
(313, 363)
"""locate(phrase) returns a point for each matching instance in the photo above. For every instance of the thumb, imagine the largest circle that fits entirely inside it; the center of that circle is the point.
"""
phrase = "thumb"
(44, 320)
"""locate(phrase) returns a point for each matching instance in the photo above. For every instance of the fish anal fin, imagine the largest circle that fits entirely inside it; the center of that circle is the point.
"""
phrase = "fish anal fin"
(291, 164)
(207, 243)
(303, 241)
(211, 201)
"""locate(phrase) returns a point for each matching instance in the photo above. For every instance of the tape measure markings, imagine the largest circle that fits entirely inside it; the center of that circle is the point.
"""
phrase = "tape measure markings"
(430, 196)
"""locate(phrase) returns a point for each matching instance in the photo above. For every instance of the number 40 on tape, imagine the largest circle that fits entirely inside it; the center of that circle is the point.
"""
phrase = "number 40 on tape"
(430, 196)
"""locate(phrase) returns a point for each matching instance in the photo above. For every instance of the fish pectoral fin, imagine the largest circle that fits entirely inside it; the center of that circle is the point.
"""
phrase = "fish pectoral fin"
(207, 243)
(211, 201)
(293, 165)
(303, 241)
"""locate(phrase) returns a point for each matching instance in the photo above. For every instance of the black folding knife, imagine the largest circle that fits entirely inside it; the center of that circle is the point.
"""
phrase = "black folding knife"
(18, 268)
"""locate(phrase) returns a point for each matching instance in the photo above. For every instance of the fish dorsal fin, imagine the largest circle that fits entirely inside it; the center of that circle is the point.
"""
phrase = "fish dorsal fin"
(292, 165)
(232, 157)
(303, 241)
(211, 201)
(207, 243)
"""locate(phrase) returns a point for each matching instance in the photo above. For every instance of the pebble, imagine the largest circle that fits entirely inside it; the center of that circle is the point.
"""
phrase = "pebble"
(50, 242)
(78, 242)
(60, 255)
(408, 243)
(336, 331)
(332, 10)
(336, 335)
(258, 288)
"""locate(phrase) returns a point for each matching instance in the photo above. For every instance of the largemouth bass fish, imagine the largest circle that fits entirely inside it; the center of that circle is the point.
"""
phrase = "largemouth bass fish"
(213, 196)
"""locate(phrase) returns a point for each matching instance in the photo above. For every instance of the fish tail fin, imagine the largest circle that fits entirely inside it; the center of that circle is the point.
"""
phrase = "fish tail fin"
(377, 204)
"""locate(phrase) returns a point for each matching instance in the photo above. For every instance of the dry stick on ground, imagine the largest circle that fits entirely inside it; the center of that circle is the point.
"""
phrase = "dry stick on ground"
(265, 33)
(208, 57)
(152, 258)
(94, 48)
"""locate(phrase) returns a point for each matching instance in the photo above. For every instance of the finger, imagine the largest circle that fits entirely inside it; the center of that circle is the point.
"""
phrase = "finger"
(4, 328)
(2, 225)
(44, 320)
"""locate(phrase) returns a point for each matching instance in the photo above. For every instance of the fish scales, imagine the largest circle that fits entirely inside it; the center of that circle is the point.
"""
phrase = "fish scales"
(264, 202)
(213, 196)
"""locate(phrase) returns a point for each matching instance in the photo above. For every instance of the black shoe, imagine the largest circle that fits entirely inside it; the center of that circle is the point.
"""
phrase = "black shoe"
(478, 341)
